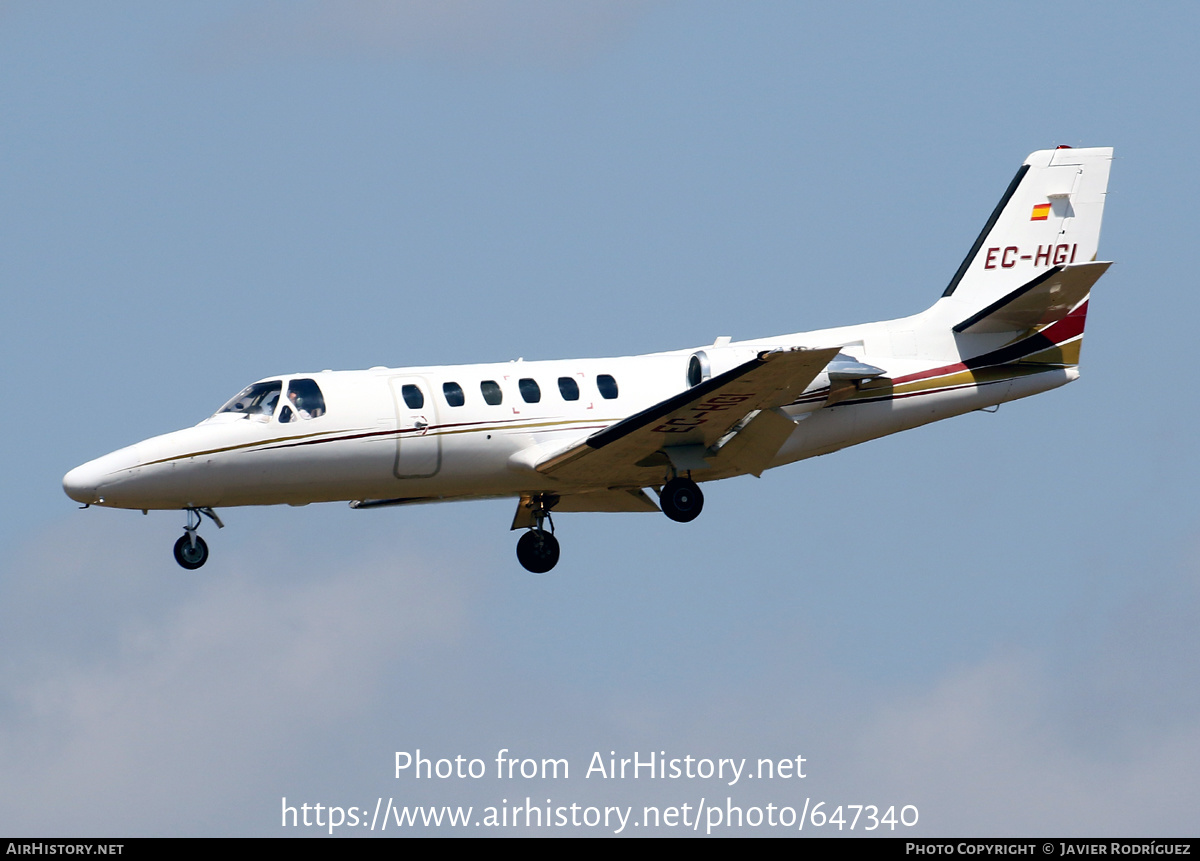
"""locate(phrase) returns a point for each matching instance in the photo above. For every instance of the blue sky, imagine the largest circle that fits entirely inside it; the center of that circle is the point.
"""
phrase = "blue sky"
(992, 618)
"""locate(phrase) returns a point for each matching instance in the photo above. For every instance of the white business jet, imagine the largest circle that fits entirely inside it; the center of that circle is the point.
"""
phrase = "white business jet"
(593, 434)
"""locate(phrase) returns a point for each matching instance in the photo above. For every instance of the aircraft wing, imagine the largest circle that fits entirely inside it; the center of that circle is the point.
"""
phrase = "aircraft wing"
(682, 429)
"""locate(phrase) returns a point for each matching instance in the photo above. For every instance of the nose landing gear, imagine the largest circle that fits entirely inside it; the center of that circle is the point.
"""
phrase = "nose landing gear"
(191, 551)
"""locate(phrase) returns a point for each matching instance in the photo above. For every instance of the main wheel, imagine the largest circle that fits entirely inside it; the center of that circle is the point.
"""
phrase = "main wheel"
(188, 556)
(681, 500)
(537, 551)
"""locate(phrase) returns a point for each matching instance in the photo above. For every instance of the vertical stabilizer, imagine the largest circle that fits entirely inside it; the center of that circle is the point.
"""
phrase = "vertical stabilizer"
(1048, 217)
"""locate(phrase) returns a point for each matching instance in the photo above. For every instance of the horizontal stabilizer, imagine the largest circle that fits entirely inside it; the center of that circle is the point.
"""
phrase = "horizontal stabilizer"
(1040, 302)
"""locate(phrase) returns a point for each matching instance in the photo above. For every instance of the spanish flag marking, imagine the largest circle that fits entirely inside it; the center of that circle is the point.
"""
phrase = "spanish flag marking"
(1041, 211)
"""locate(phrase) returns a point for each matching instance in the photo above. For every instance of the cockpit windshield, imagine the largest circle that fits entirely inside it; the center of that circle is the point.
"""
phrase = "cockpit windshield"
(304, 401)
(260, 400)
(255, 400)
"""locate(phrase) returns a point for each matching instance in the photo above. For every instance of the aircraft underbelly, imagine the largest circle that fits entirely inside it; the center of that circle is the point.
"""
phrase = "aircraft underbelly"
(838, 427)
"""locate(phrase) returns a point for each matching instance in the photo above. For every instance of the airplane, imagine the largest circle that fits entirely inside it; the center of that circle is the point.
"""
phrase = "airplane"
(593, 434)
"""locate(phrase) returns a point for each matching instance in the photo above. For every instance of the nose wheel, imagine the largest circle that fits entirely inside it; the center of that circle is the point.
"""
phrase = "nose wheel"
(191, 551)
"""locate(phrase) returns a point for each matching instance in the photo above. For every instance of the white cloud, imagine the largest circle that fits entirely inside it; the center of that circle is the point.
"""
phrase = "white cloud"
(221, 693)
(991, 750)
(141, 700)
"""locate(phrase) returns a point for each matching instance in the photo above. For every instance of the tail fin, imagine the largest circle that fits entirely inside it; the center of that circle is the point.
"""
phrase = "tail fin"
(1049, 217)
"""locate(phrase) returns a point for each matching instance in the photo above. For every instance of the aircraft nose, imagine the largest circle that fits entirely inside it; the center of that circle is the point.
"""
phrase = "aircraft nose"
(82, 482)
(89, 483)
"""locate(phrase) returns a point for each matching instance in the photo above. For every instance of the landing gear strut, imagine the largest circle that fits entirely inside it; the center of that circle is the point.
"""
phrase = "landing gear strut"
(537, 551)
(681, 499)
(190, 550)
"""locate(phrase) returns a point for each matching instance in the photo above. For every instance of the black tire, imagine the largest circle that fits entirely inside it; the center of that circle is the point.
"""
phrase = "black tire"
(188, 556)
(681, 500)
(537, 551)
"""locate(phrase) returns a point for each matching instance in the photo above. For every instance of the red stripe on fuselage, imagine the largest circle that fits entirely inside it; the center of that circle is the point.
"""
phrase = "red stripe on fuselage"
(1058, 332)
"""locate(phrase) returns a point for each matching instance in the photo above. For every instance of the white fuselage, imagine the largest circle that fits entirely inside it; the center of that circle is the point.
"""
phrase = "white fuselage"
(369, 442)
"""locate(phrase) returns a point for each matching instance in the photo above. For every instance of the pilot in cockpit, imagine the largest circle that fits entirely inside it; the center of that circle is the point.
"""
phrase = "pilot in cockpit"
(297, 405)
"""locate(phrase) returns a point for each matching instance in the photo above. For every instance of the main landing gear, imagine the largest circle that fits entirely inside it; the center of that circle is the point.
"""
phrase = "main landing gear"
(681, 499)
(537, 551)
(190, 550)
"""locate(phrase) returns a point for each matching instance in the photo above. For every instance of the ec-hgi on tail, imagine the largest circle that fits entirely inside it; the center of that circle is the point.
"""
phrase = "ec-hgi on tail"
(593, 434)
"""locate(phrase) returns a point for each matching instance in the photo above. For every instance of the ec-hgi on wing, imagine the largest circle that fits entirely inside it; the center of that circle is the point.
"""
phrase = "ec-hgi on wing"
(595, 434)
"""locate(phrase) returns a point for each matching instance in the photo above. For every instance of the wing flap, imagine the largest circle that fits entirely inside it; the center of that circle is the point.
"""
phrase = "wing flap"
(685, 426)
(612, 499)
(753, 447)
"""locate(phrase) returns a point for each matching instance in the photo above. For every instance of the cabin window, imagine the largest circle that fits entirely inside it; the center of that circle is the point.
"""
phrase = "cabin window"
(491, 392)
(568, 388)
(258, 399)
(607, 386)
(412, 396)
(454, 394)
(531, 393)
(304, 401)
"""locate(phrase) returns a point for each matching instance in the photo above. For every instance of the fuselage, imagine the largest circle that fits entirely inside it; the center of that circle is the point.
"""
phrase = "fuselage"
(474, 431)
